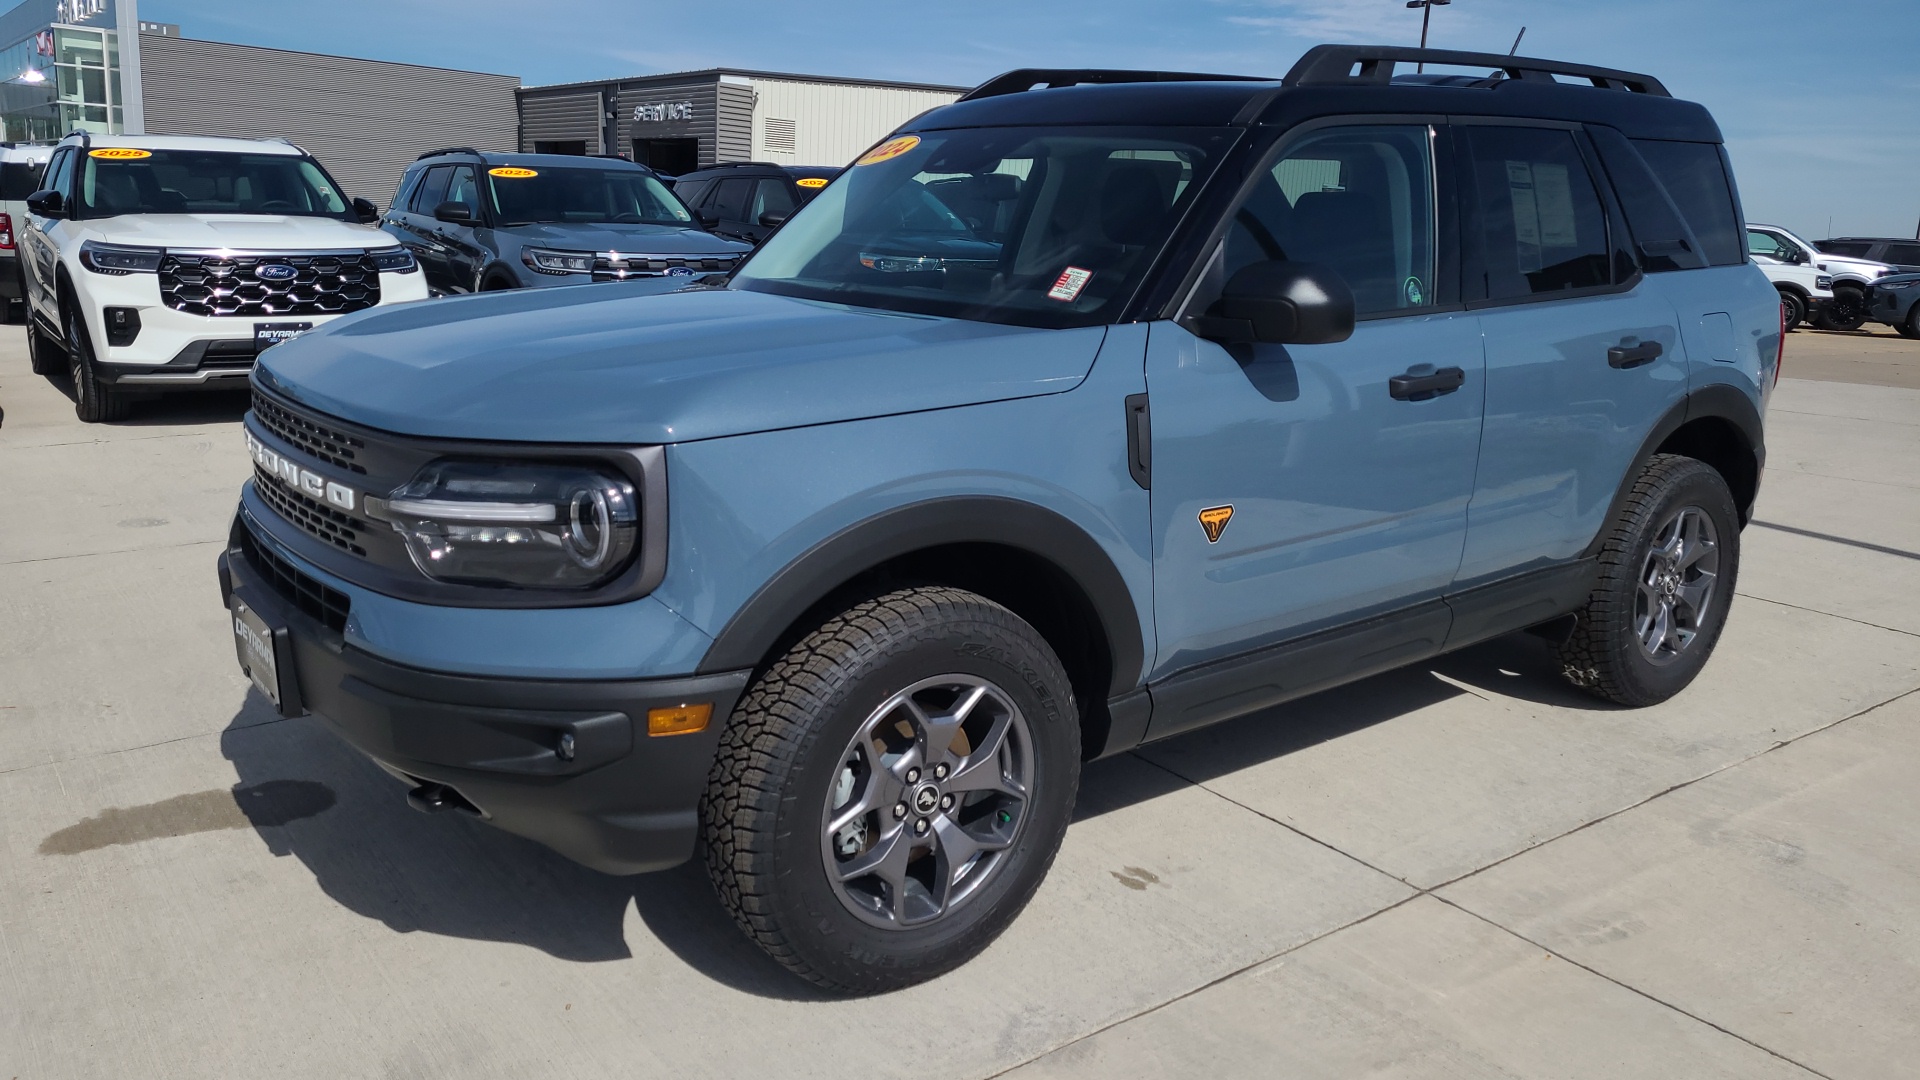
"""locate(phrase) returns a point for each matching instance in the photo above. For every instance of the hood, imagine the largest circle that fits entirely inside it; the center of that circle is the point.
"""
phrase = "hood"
(606, 364)
(1849, 262)
(636, 239)
(241, 232)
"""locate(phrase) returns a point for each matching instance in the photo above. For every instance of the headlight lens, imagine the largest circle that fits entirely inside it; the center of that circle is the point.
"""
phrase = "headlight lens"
(1823, 282)
(118, 261)
(394, 260)
(1899, 284)
(557, 262)
(521, 526)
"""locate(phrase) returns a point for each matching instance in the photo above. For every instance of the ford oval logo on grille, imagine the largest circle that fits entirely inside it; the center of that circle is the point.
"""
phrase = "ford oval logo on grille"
(277, 272)
(679, 271)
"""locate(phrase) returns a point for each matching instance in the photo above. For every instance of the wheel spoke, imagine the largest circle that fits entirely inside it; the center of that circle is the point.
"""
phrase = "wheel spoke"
(983, 769)
(886, 860)
(954, 849)
(933, 735)
(1693, 596)
(1658, 628)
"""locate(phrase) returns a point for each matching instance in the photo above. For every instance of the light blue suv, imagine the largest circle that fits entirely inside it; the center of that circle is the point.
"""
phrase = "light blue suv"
(1091, 409)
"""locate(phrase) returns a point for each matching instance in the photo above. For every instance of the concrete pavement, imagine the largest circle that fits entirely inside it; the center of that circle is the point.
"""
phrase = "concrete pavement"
(1462, 868)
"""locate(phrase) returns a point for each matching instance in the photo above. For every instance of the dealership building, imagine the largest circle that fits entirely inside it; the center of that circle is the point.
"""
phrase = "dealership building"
(95, 66)
(686, 120)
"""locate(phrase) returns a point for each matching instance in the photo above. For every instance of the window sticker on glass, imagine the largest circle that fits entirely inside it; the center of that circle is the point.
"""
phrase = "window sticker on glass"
(1069, 284)
(1416, 293)
(889, 150)
(512, 172)
(1543, 212)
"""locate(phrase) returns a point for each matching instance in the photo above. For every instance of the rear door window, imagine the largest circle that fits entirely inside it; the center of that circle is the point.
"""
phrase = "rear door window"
(690, 191)
(1855, 248)
(730, 199)
(1903, 254)
(433, 191)
(1539, 221)
(1695, 175)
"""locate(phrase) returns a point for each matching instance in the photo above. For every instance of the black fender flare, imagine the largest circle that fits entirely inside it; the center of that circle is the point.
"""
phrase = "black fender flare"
(753, 630)
(1720, 400)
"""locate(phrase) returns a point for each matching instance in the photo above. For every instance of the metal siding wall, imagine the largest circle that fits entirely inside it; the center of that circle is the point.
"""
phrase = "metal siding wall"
(703, 125)
(365, 120)
(734, 132)
(557, 117)
(834, 123)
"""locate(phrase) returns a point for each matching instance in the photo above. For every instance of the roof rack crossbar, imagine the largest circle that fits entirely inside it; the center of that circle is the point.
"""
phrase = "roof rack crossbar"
(448, 150)
(1024, 79)
(1332, 64)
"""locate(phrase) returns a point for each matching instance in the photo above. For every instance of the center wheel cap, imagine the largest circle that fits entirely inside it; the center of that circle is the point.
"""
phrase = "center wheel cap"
(926, 798)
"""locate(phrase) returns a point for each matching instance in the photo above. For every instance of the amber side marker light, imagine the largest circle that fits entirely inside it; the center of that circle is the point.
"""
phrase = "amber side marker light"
(679, 720)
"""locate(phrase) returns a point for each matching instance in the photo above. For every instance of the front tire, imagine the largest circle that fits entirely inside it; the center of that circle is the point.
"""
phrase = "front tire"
(94, 402)
(1910, 326)
(1667, 572)
(890, 793)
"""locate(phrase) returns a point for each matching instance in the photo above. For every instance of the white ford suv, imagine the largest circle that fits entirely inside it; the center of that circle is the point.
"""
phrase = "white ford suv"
(159, 262)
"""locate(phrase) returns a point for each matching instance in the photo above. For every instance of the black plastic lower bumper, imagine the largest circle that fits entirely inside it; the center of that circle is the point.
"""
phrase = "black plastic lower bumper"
(618, 801)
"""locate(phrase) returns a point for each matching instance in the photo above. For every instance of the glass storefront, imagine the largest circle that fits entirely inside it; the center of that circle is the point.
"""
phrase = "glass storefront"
(44, 97)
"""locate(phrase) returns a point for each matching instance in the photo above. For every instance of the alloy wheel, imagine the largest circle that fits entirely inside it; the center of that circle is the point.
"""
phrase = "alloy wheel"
(930, 794)
(1677, 584)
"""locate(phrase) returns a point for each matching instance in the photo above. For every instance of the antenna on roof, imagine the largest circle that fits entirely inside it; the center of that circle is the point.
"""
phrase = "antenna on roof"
(1516, 41)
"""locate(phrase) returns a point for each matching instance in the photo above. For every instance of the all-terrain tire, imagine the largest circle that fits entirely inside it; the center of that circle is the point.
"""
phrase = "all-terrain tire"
(94, 402)
(783, 751)
(1910, 327)
(1846, 311)
(1604, 655)
(1793, 310)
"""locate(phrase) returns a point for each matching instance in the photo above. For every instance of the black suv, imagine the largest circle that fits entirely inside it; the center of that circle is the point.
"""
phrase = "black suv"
(478, 222)
(749, 199)
(1903, 254)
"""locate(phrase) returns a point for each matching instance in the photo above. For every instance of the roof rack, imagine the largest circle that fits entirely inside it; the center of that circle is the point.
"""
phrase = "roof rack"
(1024, 79)
(448, 150)
(1334, 64)
(740, 165)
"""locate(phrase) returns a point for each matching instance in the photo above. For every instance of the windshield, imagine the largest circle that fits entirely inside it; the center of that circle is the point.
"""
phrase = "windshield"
(582, 197)
(207, 182)
(1031, 226)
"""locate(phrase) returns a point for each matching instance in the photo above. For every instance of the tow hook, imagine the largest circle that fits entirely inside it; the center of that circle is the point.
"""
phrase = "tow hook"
(430, 798)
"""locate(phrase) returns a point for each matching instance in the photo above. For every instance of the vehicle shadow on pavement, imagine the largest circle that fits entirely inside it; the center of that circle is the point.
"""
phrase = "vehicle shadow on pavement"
(456, 876)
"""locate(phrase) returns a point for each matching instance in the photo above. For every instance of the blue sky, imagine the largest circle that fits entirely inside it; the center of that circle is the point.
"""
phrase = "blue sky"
(1821, 112)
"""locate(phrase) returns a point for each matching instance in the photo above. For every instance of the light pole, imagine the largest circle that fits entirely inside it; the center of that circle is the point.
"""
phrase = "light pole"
(1426, 15)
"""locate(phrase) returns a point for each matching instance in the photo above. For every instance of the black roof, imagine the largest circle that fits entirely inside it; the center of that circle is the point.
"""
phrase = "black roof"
(1331, 80)
(725, 167)
(551, 161)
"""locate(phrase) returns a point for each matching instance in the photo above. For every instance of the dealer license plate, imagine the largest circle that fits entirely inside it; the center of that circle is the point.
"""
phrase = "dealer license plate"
(268, 334)
(253, 641)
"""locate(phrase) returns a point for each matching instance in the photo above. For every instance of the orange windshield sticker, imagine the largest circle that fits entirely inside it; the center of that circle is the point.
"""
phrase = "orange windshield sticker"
(812, 181)
(119, 153)
(1214, 519)
(889, 150)
(512, 172)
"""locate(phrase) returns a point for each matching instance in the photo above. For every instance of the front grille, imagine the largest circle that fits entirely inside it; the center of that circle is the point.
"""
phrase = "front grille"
(336, 448)
(323, 283)
(317, 518)
(328, 606)
(628, 267)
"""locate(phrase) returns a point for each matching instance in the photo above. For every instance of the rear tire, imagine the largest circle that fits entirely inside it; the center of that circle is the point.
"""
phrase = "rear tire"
(94, 402)
(890, 793)
(1846, 311)
(1793, 310)
(1667, 573)
(45, 356)
(1910, 326)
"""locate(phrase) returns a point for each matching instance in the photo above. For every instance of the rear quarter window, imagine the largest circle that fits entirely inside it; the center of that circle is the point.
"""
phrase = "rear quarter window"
(1695, 176)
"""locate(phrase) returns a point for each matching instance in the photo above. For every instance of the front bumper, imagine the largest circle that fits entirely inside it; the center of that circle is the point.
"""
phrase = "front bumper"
(623, 803)
(1891, 306)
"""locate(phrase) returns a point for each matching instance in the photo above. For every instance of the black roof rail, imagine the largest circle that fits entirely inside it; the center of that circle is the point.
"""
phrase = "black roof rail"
(449, 150)
(1334, 64)
(740, 165)
(1024, 79)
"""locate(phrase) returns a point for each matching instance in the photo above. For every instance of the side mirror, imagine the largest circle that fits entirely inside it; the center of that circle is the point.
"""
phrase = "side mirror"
(1279, 303)
(454, 213)
(366, 211)
(47, 203)
(707, 218)
(772, 219)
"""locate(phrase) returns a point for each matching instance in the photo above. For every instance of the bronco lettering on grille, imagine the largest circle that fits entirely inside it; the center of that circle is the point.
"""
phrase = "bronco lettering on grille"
(305, 481)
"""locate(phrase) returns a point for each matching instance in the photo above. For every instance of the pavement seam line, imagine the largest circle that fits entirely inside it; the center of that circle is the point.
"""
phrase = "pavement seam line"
(122, 551)
(1208, 985)
(57, 762)
(1828, 614)
(1558, 955)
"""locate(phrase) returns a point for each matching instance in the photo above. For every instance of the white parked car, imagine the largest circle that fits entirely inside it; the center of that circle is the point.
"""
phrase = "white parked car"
(1852, 279)
(167, 262)
(20, 167)
(1804, 288)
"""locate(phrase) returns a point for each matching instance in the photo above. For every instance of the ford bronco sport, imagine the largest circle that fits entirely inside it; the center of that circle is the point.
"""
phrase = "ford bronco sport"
(1220, 392)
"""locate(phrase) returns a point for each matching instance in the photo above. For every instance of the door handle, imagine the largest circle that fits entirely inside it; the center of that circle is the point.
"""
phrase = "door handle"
(1632, 356)
(1412, 387)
